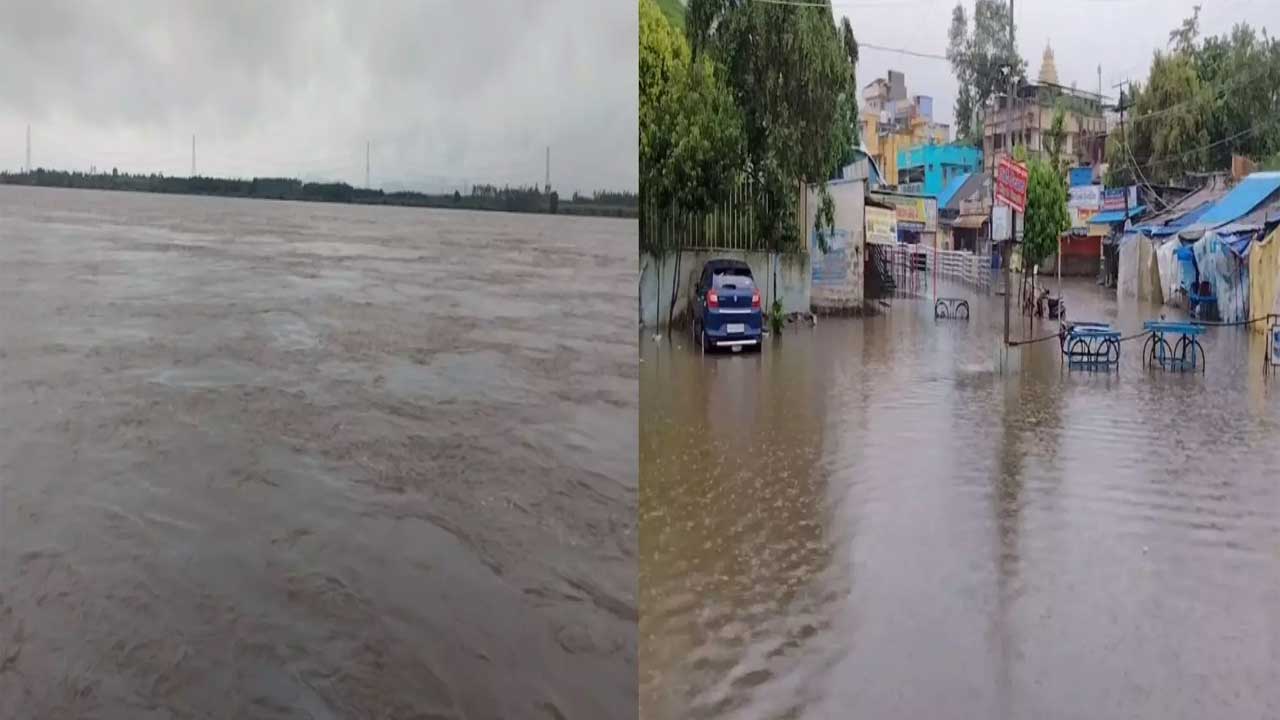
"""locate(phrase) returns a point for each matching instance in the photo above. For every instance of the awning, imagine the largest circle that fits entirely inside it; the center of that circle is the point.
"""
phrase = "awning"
(970, 222)
(1111, 217)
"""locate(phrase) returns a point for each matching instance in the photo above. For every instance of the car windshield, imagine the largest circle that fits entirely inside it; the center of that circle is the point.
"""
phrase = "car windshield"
(732, 278)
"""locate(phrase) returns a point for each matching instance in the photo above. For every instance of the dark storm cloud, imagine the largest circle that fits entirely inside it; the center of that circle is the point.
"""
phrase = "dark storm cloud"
(446, 92)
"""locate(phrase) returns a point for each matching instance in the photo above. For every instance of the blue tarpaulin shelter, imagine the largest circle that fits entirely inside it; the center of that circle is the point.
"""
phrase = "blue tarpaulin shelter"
(1243, 199)
(1180, 223)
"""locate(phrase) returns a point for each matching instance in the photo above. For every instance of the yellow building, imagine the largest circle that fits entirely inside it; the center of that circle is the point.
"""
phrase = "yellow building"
(885, 140)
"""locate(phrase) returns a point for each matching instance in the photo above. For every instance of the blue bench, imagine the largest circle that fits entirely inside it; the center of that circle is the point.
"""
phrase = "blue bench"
(1184, 354)
(1091, 346)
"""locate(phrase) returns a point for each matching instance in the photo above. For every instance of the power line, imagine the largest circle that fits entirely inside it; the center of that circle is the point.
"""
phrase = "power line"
(1218, 95)
(904, 51)
(1170, 158)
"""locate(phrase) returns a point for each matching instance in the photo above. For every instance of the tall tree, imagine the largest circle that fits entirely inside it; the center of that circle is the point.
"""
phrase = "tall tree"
(789, 71)
(1055, 137)
(690, 129)
(983, 62)
(846, 135)
(1046, 212)
(1183, 38)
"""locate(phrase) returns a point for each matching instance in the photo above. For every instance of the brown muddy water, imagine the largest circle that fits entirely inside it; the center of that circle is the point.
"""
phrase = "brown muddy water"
(870, 520)
(265, 459)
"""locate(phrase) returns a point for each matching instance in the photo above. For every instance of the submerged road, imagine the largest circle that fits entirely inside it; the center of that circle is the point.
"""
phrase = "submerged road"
(274, 460)
(870, 519)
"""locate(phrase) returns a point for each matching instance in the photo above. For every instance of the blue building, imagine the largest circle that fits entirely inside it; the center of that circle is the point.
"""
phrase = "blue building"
(927, 169)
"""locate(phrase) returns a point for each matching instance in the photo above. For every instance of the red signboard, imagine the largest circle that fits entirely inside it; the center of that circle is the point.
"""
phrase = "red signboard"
(1011, 184)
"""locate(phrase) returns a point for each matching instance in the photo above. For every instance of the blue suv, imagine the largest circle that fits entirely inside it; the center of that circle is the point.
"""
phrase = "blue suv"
(726, 307)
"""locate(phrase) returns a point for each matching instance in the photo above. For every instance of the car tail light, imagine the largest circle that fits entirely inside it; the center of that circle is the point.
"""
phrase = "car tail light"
(755, 300)
(713, 300)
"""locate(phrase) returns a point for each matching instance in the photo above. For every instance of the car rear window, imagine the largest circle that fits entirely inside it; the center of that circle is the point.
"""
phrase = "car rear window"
(733, 278)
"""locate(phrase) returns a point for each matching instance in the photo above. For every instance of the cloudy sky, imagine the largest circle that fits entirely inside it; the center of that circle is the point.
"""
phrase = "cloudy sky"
(1119, 35)
(449, 92)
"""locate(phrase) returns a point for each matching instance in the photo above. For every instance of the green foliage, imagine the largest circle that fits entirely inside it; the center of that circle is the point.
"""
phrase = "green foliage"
(775, 317)
(983, 62)
(1054, 138)
(1207, 100)
(674, 12)
(1183, 39)
(1046, 215)
(690, 129)
(790, 69)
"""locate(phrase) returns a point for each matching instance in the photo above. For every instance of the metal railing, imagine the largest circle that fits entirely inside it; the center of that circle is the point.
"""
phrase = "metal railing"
(731, 225)
(911, 268)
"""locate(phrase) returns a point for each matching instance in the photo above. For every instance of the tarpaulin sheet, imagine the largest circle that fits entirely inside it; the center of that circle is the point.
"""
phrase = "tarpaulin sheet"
(1264, 276)
(1138, 275)
(1174, 226)
(1170, 274)
(1227, 273)
(1244, 197)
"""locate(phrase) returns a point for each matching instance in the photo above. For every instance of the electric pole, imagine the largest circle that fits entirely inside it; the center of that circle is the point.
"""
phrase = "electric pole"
(28, 149)
(193, 155)
(366, 163)
(1013, 216)
(548, 182)
(1124, 140)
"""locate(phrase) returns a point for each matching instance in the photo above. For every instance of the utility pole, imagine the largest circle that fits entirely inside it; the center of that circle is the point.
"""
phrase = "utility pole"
(28, 149)
(548, 185)
(1124, 140)
(1008, 147)
(193, 155)
(366, 163)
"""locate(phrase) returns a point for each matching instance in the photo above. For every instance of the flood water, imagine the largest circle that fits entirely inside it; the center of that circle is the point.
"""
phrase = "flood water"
(264, 459)
(871, 519)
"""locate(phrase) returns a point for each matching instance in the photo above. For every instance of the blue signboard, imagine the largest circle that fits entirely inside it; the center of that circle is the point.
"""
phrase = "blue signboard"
(831, 267)
(1081, 176)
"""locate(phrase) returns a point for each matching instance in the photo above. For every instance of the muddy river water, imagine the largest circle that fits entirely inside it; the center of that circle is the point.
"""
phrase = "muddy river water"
(871, 519)
(263, 459)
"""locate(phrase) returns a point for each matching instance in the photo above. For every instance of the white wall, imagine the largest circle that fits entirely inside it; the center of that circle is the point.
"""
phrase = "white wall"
(793, 282)
(849, 197)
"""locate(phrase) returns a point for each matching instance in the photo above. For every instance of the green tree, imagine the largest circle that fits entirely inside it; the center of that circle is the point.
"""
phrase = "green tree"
(1202, 102)
(1046, 216)
(982, 61)
(1183, 38)
(690, 131)
(1173, 143)
(847, 124)
(789, 69)
(1054, 138)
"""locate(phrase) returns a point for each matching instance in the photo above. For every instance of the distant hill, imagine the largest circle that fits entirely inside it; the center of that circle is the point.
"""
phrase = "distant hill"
(674, 10)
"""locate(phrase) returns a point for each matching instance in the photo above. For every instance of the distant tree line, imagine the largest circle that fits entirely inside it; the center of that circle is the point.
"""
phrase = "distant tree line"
(482, 197)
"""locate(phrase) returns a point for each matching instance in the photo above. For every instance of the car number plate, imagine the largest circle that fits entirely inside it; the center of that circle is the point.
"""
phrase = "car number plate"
(735, 328)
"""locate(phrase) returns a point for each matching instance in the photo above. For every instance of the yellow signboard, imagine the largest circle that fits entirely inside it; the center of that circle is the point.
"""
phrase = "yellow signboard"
(882, 226)
(919, 214)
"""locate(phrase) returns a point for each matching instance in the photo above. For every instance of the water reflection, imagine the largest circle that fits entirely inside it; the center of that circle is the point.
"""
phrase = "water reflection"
(870, 519)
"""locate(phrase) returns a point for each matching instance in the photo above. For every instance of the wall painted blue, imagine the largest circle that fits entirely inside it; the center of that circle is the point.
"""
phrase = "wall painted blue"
(926, 169)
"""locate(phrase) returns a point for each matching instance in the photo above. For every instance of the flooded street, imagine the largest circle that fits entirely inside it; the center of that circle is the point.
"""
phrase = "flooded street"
(869, 519)
(269, 459)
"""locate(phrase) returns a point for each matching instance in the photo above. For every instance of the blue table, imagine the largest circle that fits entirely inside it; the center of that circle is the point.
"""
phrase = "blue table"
(1185, 354)
(1091, 346)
